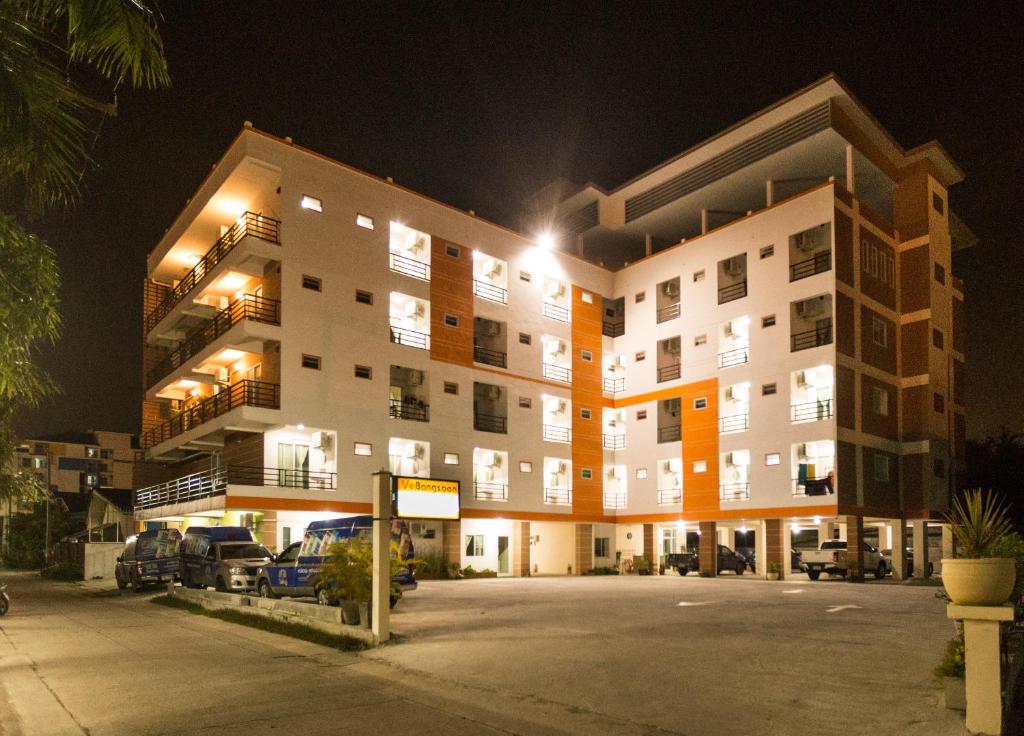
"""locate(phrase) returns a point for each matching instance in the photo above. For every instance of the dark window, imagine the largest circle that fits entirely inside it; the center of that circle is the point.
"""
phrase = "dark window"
(586, 473)
(641, 415)
(640, 356)
(640, 297)
(451, 388)
(768, 251)
(939, 403)
(767, 389)
(940, 273)
(364, 297)
(312, 283)
(524, 338)
(937, 340)
(938, 203)
(585, 414)
(364, 371)
(452, 250)
(601, 547)
(768, 320)
(586, 355)
(701, 403)
(525, 402)
(451, 320)
(311, 361)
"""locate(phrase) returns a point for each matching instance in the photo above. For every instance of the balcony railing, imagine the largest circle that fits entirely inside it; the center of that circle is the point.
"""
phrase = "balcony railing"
(735, 492)
(553, 433)
(732, 292)
(258, 226)
(818, 263)
(409, 266)
(734, 423)
(668, 313)
(490, 292)
(490, 357)
(413, 409)
(671, 433)
(412, 338)
(615, 500)
(556, 372)
(820, 486)
(613, 385)
(214, 482)
(812, 338)
(670, 496)
(737, 356)
(613, 441)
(242, 393)
(490, 423)
(249, 307)
(669, 372)
(812, 411)
(613, 329)
(558, 496)
(490, 491)
(556, 312)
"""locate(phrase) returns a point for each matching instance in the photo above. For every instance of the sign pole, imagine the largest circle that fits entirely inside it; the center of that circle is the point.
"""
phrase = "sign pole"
(381, 606)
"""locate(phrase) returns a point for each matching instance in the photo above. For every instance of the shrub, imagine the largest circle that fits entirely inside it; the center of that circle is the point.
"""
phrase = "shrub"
(468, 571)
(432, 566)
(1012, 547)
(773, 569)
(978, 522)
(642, 566)
(603, 571)
(348, 571)
(952, 664)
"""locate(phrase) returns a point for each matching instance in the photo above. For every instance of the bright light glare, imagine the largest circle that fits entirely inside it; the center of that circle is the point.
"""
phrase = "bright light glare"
(546, 241)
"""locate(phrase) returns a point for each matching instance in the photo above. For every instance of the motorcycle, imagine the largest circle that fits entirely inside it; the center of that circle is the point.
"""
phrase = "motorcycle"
(5, 600)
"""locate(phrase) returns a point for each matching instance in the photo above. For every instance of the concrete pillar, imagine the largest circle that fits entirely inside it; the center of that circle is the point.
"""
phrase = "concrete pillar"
(898, 541)
(948, 544)
(760, 549)
(520, 549)
(982, 664)
(704, 221)
(777, 546)
(920, 548)
(826, 532)
(708, 550)
(380, 615)
(583, 560)
(651, 548)
(850, 178)
(855, 549)
(648, 244)
(451, 533)
(769, 193)
(269, 531)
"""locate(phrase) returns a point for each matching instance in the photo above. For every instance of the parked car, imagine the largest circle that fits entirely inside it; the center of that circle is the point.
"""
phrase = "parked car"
(831, 558)
(908, 558)
(751, 557)
(148, 557)
(226, 557)
(685, 562)
(294, 572)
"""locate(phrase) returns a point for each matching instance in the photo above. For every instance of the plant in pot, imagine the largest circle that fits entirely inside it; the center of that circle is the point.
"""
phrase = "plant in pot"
(978, 576)
(642, 566)
(773, 571)
(949, 674)
(346, 576)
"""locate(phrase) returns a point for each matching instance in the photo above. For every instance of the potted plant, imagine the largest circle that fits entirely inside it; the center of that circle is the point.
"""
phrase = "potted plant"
(977, 577)
(642, 566)
(949, 674)
(773, 571)
(346, 577)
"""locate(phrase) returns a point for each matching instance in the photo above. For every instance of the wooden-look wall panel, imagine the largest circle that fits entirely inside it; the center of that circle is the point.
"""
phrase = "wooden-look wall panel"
(915, 279)
(914, 341)
(451, 292)
(881, 356)
(587, 495)
(700, 442)
(846, 337)
(844, 248)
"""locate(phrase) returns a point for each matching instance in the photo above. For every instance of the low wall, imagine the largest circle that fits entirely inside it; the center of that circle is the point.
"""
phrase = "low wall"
(100, 559)
(325, 618)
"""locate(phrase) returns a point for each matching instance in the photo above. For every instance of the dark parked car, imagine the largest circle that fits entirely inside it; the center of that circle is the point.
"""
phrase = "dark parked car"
(908, 557)
(751, 557)
(684, 562)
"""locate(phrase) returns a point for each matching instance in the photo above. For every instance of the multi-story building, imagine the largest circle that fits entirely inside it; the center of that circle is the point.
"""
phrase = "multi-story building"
(79, 462)
(779, 346)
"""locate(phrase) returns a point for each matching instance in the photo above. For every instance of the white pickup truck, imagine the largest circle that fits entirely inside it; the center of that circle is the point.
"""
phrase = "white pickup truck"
(831, 558)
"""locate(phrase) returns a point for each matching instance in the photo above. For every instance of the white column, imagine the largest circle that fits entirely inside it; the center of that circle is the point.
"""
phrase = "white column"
(825, 531)
(920, 548)
(948, 545)
(704, 221)
(849, 168)
(982, 664)
(898, 541)
(786, 568)
(381, 615)
(761, 548)
(769, 193)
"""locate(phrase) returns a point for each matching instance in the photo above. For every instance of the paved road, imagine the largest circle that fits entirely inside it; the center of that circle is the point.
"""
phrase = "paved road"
(539, 656)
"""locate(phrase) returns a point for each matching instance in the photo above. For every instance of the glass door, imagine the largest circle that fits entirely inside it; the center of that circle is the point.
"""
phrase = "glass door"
(292, 465)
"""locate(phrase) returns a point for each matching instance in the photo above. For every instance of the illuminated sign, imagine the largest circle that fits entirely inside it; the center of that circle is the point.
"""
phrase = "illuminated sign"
(426, 498)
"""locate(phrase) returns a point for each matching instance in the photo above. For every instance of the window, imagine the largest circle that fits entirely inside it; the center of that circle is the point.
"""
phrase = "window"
(452, 251)
(586, 355)
(525, 466)
(641, 473)
(586, 297)
(92, 452)
(938, 204)
(701, 403)
(451, 320)
(524, 276)
(640, 356)
(585, 414)
(525, 339)
(364, 297)
(640, 296)
(451, 388)
(700, 466)
(940, 273)
(878, 262)
(311, 203)
(362, 448)
(451, 458)
(586, 473)
(881, 467)
(937, 340)
(312, 283)
(364, 371)
(698, 275)
(880, 401)
(939, 468)
(601, 547)
(364, 221)
(700, 340)
(767, 389)
(311, 361)
(768, 320)
(767, 252)
(474, 545)
(938, 403)
(525, 402)
(879, 332)
(641, 415)
(772, 458)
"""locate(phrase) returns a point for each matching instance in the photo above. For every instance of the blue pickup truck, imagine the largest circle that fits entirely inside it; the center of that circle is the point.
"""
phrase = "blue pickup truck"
(295, 570)
(148, 557)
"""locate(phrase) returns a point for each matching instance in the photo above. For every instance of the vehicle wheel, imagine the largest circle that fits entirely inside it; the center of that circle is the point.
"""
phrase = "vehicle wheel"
(880, 572)
(136, 584)
(121, 584)
(682, 571)
(814, 574)
(322, 597)
(4, 605)
(264, 589)
(931, 569)
(740, 567)
(220, 586)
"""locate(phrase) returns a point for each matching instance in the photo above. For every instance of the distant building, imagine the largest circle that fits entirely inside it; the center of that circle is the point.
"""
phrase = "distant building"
(78, 462)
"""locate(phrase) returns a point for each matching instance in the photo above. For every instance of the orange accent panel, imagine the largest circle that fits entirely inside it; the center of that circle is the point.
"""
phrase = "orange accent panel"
(700, 442)
(295, 504)
(535, 516)
(772, 513)
(586, 392)
(451, 292)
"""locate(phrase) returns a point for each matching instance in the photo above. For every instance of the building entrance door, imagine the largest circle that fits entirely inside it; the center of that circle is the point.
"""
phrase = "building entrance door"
(503, 567)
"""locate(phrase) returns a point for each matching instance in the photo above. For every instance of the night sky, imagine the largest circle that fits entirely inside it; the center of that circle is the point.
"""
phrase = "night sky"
(480, 104)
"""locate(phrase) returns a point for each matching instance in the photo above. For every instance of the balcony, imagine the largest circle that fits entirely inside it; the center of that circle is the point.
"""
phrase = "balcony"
(556, 372)
(613, 385)
(729, 358)
(558, 496)
(615, 500)
(670, 496)
(490, 423)
(668, 313)
(556, 312)
(732, 292)
(812, 411)
(812, 338)
(820, 486)
(249, 307)
(553, 433)
(490, 357)
(818, 263)
(734, 492)
(490, 292)
(490, 491)
(671, 433)
(242, 393)
(613, 329)
(258, 226)
(413, 410)
(214, 482)
(411, 338)
(669, 372)
(613, 441)
(734, 423)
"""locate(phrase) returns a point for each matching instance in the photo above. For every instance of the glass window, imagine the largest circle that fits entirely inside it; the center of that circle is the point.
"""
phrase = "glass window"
(474, 545)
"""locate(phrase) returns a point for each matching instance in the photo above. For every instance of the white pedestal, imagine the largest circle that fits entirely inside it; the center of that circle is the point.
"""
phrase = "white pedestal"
(981, 653)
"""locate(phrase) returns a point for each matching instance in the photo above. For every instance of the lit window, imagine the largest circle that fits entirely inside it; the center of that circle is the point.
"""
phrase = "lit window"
(451, 320)
(452, 250)
(640, 296)
(525, 466)
(701, 403)
(363, 371)
(586, 413)
(698, 275)
(311, 361)
(586, 473)
(364, 221)
(880, 401)
(768, 251)
(641, 473)
(525, 402)
(312, 283)
(768, 320)
(451, 458)
(587, 355)
(767, 389)
(586, 297)
(700, 466)
(474, 545)
(312, 203)
(364, 297)
(772, 458)
(700, 340)
(362, 448)
(451, 388)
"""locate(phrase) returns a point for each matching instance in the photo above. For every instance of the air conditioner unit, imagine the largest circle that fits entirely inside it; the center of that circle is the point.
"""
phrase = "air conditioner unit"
(414, 309)
(810, 307)
(491, 329)
(670, 288)
(734, 266)
(675, 465)
(805, 241)
(801, 379)
(494, 393)
(617, 472)
(487, 458)
(322, 440)
(801, 451)
(730, 395)
(554, 346)
(673, 346)
(415, 378)
(620, 360)
(730, 458)
(414, 451)
(555, 289)
(556, 467)
(491, 268)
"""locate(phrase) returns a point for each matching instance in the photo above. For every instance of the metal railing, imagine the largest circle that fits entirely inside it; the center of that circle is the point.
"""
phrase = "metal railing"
(820, 486)
(671, 433)
(258, 226)
(734, 423)
(613, 385)
(732, 292)
(412, 338)
(415, 410)
(669, 372)
(214, 482)
(811, 338)
(249, 307)
(490, 292)
(556, 312)
(558, 496)
(613, 441)
(812, 411)
(615, 500)
(556, 372)
(668, 313)
(553, 433)
(490, 423)
(242, 393)
(737, 356)
(818, 263)
(669, 496)
(613, 329)
(734, 492)
(409, 266)
(490, 357)
(490, 491)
